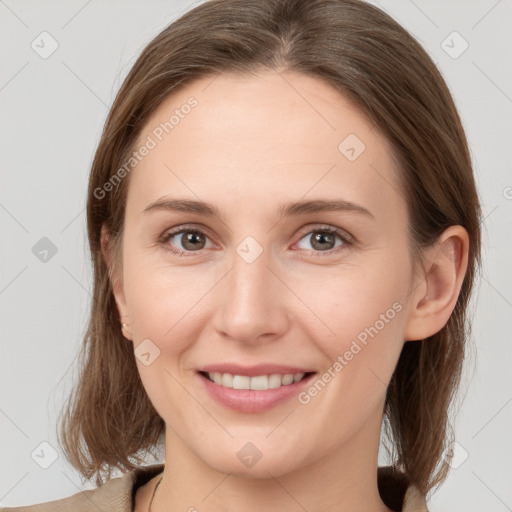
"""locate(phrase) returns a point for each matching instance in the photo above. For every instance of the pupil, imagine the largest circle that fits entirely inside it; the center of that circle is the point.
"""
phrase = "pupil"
(190, 239)
(321, 238)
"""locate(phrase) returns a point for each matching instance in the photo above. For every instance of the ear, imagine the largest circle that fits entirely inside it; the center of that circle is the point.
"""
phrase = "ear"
(116, 280)
(435, 294)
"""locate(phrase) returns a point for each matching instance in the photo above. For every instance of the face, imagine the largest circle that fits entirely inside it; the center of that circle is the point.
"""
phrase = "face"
(253, 286)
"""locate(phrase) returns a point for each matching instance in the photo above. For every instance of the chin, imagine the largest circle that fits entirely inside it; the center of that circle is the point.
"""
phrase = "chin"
(246, 459)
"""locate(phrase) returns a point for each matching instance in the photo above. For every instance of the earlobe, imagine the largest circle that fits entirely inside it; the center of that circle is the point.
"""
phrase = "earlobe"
(116, 281)
(435, 296)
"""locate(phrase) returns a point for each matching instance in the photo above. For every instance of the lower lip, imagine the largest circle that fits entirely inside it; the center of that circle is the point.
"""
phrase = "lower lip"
(250, 400)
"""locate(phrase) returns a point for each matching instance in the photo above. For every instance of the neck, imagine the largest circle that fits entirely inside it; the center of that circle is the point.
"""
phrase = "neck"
(345, 479)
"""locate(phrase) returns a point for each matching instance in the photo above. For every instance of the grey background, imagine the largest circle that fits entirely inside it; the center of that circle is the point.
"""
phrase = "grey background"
(52, 112)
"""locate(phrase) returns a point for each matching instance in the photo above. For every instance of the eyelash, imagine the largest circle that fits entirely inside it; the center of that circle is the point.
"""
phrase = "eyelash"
(343, 235)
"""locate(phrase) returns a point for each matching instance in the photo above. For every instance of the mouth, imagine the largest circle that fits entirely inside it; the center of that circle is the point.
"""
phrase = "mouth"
(255, 393)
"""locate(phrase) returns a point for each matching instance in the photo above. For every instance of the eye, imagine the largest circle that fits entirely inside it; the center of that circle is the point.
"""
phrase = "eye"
(190, 239)
(323, 240)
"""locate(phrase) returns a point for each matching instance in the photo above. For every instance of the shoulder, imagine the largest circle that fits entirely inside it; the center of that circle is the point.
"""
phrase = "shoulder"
(414, 501)
(116, 495)
(397, 493)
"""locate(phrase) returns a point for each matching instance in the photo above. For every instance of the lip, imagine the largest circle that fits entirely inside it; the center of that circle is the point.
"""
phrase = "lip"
(253, 371)
(250, 400)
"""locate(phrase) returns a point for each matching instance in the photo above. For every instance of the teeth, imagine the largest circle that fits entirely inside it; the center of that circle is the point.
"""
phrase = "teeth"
(260, 382)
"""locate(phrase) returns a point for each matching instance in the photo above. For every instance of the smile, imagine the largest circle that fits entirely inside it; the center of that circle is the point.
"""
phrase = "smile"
(253, 394)
(259, 382)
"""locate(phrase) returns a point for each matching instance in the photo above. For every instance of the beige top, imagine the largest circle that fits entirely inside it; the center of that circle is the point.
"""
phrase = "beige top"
(118, 494)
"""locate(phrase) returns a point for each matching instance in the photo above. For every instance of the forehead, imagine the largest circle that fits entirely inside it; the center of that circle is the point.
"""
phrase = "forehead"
(259, 138)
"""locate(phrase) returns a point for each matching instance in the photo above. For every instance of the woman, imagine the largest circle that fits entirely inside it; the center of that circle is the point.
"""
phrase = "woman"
(285, 232)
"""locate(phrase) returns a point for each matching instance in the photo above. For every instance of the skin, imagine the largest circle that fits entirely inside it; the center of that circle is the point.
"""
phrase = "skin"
(250, 145)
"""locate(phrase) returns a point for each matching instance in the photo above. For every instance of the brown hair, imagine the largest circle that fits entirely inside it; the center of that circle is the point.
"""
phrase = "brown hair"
(361, 51)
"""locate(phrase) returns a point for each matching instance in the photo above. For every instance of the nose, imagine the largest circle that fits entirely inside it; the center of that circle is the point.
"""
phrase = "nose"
(252, 302)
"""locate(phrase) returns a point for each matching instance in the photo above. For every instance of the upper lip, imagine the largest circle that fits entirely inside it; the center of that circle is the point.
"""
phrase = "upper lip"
(252, 371)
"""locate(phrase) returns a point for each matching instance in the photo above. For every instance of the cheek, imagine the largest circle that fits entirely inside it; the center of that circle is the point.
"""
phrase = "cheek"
(165, 301)
(359, 321)
(163, 304)
(351, 298)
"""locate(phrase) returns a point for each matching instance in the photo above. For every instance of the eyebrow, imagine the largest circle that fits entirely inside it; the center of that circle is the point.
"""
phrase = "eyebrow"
(298, 208)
